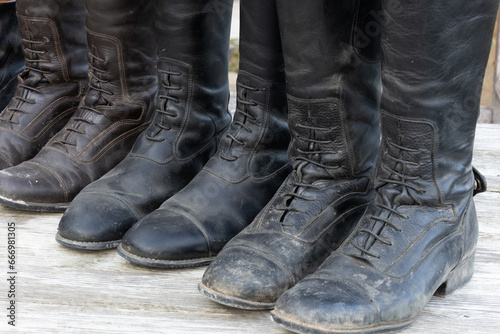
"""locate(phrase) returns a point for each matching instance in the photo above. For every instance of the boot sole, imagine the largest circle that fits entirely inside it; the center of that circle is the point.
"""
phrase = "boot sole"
(87, 245)
(38, 207)
(456, 279)
(295, 326)
(233, 301)
(166, 264)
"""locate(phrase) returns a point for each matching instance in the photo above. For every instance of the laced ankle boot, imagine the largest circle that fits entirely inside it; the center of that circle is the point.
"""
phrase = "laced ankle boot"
(191, 115)
(334, 123)
(53, 82)
(191, 228)
(418, 236)
(122, 83)
(11, 52)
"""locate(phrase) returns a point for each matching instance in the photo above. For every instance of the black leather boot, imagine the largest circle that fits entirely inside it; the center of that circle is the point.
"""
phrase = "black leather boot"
(11, 52)
(53, 82)
(334, 121)
(192, 227)
(191, 114)
(418, 236)
(122, 80)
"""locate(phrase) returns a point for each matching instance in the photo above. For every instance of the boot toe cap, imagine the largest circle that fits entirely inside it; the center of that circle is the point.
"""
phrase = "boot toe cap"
(166, 239)
(320, 305)
(95, 221)
(245, 278)
(27, 185)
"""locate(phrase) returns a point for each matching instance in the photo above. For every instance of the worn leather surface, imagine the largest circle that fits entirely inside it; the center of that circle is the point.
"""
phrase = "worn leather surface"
(237, 182)
(418, 236)
(11, 52)
(333, 120)
(51, 86)
(122, 84)
(191, 115)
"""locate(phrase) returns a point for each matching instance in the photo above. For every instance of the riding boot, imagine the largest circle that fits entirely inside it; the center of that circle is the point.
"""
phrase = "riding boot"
(191, 115)
(333, 87)
(115, 110)
(11, 52)
(191, 228)
(53, 82)
(418, 236)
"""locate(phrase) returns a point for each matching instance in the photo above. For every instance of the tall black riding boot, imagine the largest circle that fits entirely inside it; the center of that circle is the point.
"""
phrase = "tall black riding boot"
(192, 227)
(53, 82)
(418, 236)
(11, 52)
(115, 110)
(333, 86)
(191, 114)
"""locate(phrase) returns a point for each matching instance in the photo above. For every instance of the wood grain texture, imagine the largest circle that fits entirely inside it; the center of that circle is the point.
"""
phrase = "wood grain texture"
(65, 291)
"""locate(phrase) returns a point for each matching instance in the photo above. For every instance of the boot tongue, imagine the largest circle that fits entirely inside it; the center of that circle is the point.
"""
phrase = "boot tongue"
(309, 173)
(95, 98)
(34, 78)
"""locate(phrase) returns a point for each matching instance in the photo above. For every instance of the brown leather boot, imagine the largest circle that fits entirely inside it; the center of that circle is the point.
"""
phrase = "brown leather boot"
(117, 107)
(53, 82)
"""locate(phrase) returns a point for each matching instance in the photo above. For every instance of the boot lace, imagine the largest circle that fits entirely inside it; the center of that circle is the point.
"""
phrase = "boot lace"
(240, 118)
(33, 75)
(163, 123)
(310, 156)
(96, 94)
(403, 183)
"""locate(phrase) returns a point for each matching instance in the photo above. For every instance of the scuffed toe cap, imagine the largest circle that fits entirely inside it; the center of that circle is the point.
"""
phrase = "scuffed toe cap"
(31, 183)
(96, 218)
(165, 236)
(320, 305)
(245, 278)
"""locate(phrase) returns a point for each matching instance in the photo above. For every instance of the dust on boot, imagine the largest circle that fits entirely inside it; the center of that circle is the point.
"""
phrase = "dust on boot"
(191, 116)
(418, 236)
(115, 110)
(334, 123)
(191, 228)
(48, 91)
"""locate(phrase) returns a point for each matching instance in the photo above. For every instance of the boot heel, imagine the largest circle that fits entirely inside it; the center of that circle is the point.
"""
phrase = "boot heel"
(458, 277)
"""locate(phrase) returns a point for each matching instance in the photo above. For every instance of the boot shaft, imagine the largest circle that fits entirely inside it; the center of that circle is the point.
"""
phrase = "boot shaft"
(196, 33)
(122, 79)
(333, 81)
(121, 49)
(193, 95)
(260, 47)
(433, 85)
(11, 52)
(54, 40)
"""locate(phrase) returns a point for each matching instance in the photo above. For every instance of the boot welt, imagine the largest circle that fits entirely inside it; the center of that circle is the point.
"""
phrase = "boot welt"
(167, 264)
(296, 326)
(233, 301)
(87, 245)
(31, 206)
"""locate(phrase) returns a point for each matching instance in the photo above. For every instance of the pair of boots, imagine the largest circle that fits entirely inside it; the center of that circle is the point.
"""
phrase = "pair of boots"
(81, 101)
(417, 236)
(135, 65)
